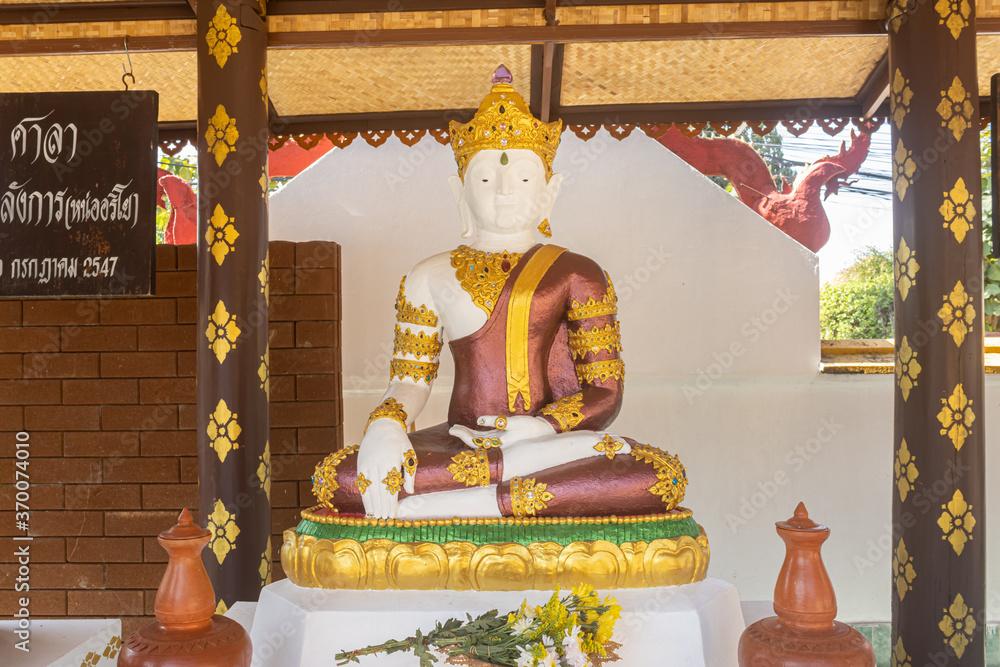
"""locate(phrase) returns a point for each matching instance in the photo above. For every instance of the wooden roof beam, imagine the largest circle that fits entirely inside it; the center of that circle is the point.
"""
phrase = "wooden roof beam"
(875, 90)
(96, 12)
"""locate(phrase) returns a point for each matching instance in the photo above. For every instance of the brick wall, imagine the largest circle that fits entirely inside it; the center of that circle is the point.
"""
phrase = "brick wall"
(106, 390)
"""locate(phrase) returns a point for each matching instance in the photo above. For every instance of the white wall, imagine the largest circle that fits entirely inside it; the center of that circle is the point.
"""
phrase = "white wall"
(720, 319)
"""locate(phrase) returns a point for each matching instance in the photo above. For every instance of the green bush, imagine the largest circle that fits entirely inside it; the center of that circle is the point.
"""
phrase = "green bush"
(859, 303)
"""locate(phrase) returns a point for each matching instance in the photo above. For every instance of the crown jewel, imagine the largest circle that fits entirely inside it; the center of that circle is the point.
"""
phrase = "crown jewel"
(504, 122)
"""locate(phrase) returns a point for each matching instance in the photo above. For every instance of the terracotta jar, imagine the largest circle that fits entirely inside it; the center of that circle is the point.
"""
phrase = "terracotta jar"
(804, 632)
(187, 632)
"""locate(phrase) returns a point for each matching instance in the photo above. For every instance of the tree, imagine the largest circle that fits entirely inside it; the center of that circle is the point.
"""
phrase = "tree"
(859, 303)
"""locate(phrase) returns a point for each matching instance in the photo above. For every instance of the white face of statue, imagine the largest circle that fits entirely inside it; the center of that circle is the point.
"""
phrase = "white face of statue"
(505, 192)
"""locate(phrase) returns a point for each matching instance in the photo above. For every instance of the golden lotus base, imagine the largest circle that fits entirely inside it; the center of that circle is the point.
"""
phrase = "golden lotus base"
(318, 562)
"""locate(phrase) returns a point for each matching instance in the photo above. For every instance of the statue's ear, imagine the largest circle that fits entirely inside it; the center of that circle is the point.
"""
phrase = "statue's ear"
(551, 193)
(464, 213)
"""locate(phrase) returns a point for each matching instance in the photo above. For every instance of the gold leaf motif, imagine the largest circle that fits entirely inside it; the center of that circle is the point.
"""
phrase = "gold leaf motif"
(264, 569)
(901, 96)
(609, 446)
(583, 342)
(223, 430)
(410, 462)
(263, 85)
(957, 313)
(483, 274)
(671, 484)
(905, 470)
(223, 35)
(904, 268)
(957, 522)
(418, 371)
(221, 135)
(904, 572)
(955, 109)
(417, 344)
(264, 277)
(221, 608)
(608, 305)
(264, 181)
(958, 210)
(407, 313)
(600, 371)
(954, 15)
(224, 531)
(900, 658)
(264, 470)
(471, 467)
(907, 368)
(393, 481)
(567, 411)
(362, 483)
(904, 168)
(958, 625)
(324, 477)
(222, 331)
(956, 417)
(264, 372)
(528, 496)
(220, 234)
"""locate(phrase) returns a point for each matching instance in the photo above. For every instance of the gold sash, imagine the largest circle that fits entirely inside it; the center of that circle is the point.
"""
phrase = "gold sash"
(518, 314)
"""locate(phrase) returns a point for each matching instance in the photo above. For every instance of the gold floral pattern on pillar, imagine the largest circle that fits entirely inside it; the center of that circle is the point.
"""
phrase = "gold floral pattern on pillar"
(264, 372)
(223, 35)
(264, 277)
(903, 168)
(264, 569)
(223, 430)
(263, 85)
(900, 658)
(903, 571)
(221, 234)
(904, 268)
(264, 469)
(958, 625)
(221, 134)
(957, 313)
(222, 525)
(221, 608)
(954, 15)
(956, 416)
(901, 96)
(907, 368)
(222, 331)
(958, 210)
(905, 470)
(957, 522)
(265, 182)
(955, 109)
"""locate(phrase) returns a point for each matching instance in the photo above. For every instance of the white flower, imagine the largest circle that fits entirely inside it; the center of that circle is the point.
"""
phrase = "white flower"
(574, 655)
(525, 659)
(522, 625)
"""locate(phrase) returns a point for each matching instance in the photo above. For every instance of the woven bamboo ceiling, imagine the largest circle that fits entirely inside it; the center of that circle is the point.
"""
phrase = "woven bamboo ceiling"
(348, 64)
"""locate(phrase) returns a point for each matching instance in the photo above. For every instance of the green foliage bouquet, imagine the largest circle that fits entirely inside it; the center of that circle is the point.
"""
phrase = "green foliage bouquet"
(569, 631)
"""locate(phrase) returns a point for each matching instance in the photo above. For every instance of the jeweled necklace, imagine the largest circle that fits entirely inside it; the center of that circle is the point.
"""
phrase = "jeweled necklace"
(483, 274)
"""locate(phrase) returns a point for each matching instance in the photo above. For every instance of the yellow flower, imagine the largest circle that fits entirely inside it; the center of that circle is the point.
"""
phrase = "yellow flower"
(221, 135)
(957, 522)
(264, 469)
(223, 35)
(223, 430)
(903, 570)
(905, 469)
(907, 368)
(222, 331)
(955, 109)
(958, 210)
(954, 15)
(903, 167)
(957, 313)
(901, 96)
(222, 526)
(956, 417)
(905, 267)
(220, 234)
(957, 625)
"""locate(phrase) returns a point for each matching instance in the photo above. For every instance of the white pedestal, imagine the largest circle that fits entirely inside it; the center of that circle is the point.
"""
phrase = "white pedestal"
(697, 625)
(64, 642)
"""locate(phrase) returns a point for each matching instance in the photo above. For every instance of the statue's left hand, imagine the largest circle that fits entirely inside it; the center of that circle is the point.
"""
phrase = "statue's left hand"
(519, 429)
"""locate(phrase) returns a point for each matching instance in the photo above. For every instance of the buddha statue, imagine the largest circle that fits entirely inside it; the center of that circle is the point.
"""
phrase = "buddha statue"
(539, 379)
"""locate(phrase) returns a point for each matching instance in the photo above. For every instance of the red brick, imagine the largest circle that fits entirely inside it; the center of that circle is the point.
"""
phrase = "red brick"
(134, 575)
(62, 417)
(11, 418)
(152, 552)
(317, 254)
(319, 440)
(282, 388)
(304, 307)
(104, 603)
(169, 390)
(102, 496)
(317, 334)
(138, 364)
(10, 365)
(281, 334)
(43, 550)
(144, 523)
(27, 392)
(101, 443)
(316, 281)
(187, 311)
(177, 283)
(186, 364)
(169, 496)
(294, 467)
(10, 312)
(299, 360)
(316, 388)
(304, 413)
(282, 281)
(65, 470)
(146, 469)
(285, 494)
(169, 443)
(43, 496)
(144, 417)
(59, 311)
(67, 575)
(138, 311)
(283, 518)
(187, 256)
(41, 444)
(100, 392)
(281, 254)
(61, 365)
(42, 603)
(189, 469)
(187, 416)
(167, 337)
(166, 257)
(59, 523)
(103, 549)
(29, 339)
(98, 339)
(283, 440)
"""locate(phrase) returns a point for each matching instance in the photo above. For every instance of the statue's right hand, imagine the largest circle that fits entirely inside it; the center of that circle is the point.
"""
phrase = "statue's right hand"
(381, 452)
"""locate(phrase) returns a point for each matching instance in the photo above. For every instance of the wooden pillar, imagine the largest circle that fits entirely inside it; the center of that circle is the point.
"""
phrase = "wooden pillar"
(938, 585)
(232, 406)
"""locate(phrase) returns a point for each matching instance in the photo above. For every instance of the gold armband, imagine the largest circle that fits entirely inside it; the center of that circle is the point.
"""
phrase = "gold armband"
(418, 371)
(528, 496)
(324, 478)
(608, 305)
(390, 408)
(417, 344)
(671, 478)
(608, 337)
(471, 467)
(567, 411)
(600, 371)
(406, 312)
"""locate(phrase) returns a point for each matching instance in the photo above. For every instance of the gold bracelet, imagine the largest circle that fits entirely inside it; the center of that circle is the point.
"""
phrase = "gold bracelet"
(567, 411)
(600, 371)
(418, 344)
(418, 371)
(390, 408)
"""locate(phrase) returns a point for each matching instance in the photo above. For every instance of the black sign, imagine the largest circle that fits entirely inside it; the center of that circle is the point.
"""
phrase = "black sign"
(77, 193)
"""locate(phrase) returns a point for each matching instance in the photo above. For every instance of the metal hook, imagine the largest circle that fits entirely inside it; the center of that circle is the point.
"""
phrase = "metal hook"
(127, 73)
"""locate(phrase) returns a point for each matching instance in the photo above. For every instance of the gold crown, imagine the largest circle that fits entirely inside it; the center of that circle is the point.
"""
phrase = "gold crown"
(502, 122)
